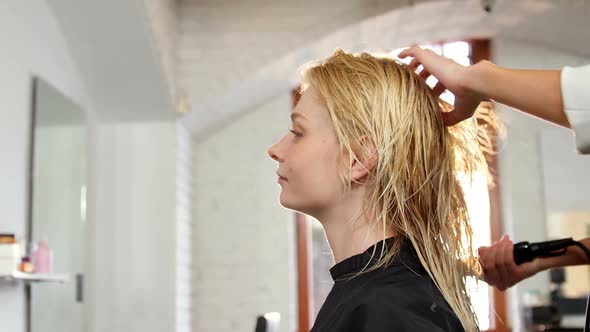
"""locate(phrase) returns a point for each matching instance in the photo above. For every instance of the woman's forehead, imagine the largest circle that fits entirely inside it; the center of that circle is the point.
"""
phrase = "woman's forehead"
(310, 107)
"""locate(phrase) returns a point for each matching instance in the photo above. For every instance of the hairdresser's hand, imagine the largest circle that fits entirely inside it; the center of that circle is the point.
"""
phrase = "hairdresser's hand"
(451, 76)
(499, 268)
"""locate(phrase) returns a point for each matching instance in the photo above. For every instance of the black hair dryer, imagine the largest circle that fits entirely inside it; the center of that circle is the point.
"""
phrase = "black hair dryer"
(526, 252)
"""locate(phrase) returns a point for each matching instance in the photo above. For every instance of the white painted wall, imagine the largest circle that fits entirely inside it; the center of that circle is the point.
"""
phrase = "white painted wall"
(521, 161)
(242, 238)
(135, 227)
(131, 198)
(566, 173)
(32, 44)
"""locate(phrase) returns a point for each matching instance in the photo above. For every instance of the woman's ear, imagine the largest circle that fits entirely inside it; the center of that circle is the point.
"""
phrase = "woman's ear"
(363, 159)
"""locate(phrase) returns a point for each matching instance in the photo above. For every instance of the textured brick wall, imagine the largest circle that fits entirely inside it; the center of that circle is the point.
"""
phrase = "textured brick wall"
(222, 42)
(242, 241)
(184, 226)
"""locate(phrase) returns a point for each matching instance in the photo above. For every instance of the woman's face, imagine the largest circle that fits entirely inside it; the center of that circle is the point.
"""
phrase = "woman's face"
(308, 158)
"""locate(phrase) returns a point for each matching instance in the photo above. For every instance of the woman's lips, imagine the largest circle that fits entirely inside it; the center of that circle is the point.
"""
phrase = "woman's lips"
(281, 178)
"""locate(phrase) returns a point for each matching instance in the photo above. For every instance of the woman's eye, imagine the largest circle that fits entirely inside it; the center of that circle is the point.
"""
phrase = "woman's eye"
(295, 133)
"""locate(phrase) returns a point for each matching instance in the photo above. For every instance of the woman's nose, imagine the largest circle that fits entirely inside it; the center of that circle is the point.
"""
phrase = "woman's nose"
(274, 151)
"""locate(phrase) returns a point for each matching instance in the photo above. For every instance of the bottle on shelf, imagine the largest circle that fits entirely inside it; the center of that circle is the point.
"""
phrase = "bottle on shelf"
(43, 258)
(26, 265)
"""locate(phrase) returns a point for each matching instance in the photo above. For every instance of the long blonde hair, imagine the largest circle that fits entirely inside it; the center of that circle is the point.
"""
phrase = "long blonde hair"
(414, 187)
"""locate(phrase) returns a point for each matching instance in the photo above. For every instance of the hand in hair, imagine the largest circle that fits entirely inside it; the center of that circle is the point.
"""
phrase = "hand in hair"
(535, 92)
(499, 268)
(451, 76)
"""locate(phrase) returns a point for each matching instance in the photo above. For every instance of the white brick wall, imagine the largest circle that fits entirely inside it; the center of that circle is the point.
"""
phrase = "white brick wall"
(223, 42)
(233, 56)
(184, 226)
(279, 72)
(243, 257)
(230, 60)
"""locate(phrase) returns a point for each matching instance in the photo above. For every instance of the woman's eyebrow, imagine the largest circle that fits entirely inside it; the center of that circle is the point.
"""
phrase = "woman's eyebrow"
(297, 115)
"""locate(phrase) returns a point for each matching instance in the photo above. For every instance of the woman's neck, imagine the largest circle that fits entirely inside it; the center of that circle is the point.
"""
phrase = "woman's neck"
(349, 231)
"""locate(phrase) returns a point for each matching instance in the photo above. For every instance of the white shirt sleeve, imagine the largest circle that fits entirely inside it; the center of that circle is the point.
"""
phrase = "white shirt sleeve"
(575, 90)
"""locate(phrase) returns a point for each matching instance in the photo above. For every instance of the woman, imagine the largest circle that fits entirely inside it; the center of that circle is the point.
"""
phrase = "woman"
(369, 157)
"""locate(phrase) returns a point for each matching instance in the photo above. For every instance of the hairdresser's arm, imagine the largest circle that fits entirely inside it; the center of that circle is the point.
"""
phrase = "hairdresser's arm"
(501, 271)
(536, 92)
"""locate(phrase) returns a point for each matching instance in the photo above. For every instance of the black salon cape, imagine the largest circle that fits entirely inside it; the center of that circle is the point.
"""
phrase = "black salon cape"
(399, 297)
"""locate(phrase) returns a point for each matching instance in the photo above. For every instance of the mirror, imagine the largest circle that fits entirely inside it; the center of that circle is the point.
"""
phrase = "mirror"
(57, 208)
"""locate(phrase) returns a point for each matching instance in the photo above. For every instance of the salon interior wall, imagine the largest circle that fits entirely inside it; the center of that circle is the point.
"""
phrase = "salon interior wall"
(131, 179)
(521, 161)
(31, 43)
(243, 241)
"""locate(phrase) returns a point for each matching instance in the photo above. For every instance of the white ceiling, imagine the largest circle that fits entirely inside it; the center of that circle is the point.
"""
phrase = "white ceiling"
(226, 56)
(114, 51)
(248, 76)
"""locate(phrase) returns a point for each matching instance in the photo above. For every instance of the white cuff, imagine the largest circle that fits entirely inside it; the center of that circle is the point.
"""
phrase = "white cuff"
(575, 91)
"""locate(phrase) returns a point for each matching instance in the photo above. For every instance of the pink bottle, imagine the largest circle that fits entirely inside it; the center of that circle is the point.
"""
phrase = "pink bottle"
(43, 258)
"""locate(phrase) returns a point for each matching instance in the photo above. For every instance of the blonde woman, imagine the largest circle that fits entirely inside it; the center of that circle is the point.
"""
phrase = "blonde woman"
(369, 157)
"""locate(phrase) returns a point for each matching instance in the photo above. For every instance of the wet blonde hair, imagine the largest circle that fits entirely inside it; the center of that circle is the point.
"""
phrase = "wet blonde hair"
(413, 187)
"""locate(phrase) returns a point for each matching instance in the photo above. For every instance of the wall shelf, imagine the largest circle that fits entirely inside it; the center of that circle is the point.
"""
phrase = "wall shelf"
(36, 277)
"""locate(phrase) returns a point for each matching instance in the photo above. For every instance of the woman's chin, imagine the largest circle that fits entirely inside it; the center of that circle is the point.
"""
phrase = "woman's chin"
(288, 203)
(297, 208)
(285, 202)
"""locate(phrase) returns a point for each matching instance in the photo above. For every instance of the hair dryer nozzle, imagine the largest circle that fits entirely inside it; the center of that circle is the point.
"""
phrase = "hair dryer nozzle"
(526, 252)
